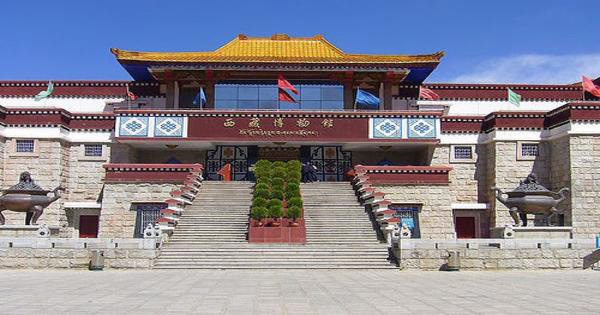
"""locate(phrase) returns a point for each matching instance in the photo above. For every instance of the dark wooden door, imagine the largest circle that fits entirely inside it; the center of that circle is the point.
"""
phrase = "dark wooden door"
(465, 227)
(88, 226)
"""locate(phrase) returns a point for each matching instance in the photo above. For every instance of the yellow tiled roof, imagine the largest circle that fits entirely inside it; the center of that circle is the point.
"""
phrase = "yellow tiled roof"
(278, 48)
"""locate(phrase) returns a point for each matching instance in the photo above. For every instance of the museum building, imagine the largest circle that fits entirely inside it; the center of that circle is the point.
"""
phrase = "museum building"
(120, 148)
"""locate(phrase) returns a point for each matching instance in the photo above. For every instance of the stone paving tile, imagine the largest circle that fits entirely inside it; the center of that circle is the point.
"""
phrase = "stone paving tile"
(298, 292)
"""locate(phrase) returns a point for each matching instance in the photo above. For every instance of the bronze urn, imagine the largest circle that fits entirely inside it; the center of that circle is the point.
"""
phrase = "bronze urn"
(531, 198)
(28, 197)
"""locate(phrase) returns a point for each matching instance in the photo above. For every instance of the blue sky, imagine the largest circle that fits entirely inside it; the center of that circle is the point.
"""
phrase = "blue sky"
(525, 41)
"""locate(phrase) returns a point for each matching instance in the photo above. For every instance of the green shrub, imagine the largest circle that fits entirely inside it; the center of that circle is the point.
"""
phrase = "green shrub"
(275, 211)
(294, 175)
(293, 187)
(259, 202)
(277, 194)
(263, 164)
(294, 165)
(277, 164)
(294, 212)
(261, 186)
(296, 201)
(274, 202)
(292, 194)
(263, 180)
(279, 172)
(258, 213)
(262, 173)
(263, 193)
(277, 181)
(294, 181)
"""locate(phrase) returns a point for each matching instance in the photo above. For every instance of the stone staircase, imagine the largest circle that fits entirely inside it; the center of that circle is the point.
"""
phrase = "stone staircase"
(212, 233)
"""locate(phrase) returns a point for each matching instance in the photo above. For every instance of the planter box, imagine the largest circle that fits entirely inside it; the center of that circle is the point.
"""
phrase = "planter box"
(281, 234)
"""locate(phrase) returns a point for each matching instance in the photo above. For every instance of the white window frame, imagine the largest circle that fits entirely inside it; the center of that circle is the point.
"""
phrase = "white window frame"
(36, 148)
(83, 157)
(521, 157)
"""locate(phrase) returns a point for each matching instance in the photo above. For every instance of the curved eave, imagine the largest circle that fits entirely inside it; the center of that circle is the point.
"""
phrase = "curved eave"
(202, 57)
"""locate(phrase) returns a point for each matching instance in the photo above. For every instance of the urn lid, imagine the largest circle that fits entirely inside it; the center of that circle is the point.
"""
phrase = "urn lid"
(26, 185)
(530, 185)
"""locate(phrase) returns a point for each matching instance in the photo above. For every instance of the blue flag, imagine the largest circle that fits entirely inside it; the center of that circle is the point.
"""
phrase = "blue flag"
(367, 99)
(200, 99)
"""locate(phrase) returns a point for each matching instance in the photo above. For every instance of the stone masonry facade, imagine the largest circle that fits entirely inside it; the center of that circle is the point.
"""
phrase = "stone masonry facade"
(118, 217)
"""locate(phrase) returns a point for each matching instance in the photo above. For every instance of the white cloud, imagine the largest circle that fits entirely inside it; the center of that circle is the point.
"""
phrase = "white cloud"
(538, 69)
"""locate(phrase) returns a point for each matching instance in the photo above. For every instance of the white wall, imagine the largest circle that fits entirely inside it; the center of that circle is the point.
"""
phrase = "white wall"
(482, 108)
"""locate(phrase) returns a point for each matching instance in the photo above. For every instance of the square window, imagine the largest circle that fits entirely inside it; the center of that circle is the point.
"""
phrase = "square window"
(530, 149)
(463, 152)
(93, 150)
(25, 146)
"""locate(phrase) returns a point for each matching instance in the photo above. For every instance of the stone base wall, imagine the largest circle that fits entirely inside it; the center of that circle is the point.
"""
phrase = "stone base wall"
(585, 185)
(435, 218)
(33, 253)
(495, 254)
(117, 216)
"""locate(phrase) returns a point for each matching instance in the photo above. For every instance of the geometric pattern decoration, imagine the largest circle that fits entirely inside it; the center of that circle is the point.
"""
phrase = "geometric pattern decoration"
(387, 128)
(168, 127)
(421, 128)
(133, 127)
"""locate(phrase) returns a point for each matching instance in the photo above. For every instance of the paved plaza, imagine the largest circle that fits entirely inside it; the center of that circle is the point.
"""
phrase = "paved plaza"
(298, 292)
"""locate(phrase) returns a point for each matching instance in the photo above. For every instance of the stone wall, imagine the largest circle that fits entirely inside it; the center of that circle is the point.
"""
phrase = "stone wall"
(559, 162)
(49, 167)
(495, 254)
(118, 217)
(87, 178)
(508, 171)
(435, 217)
(76, 253)
(467, 179)
(585, 185)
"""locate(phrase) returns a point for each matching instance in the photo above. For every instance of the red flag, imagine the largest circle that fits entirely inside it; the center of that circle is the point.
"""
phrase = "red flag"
(225, 171)
(589, 86)
(428, 94)
(285, 85)
(130, 94)
(284, 96)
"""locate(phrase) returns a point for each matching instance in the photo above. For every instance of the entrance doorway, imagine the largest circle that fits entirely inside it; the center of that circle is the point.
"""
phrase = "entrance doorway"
(88, 226)
(465, 227)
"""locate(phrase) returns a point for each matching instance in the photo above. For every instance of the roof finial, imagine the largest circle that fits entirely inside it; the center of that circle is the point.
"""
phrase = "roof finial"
(280, 37)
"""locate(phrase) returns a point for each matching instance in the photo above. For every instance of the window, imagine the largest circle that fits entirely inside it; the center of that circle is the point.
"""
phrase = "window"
(93, 150)
(463, 154)
(409, 215)
(25, 146)
(529, 149)
(147, 213)
(264, 95)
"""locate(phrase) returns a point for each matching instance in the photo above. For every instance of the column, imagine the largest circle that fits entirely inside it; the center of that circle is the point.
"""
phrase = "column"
(170, 97)
(348, 92)
(387, 95)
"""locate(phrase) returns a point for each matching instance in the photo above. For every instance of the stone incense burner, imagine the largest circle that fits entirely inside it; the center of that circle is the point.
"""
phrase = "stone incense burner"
(28, 197)
(531, 198)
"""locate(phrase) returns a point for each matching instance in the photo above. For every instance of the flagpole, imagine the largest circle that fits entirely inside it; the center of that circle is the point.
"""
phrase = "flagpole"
(582, 90)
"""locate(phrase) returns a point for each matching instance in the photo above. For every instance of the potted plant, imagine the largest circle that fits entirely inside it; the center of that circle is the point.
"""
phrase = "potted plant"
(294, 212)
(258, 214)
(275, 211)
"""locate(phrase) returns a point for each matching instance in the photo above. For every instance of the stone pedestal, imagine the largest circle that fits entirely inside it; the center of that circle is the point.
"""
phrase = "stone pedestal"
(533, 232)
(21, 231)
